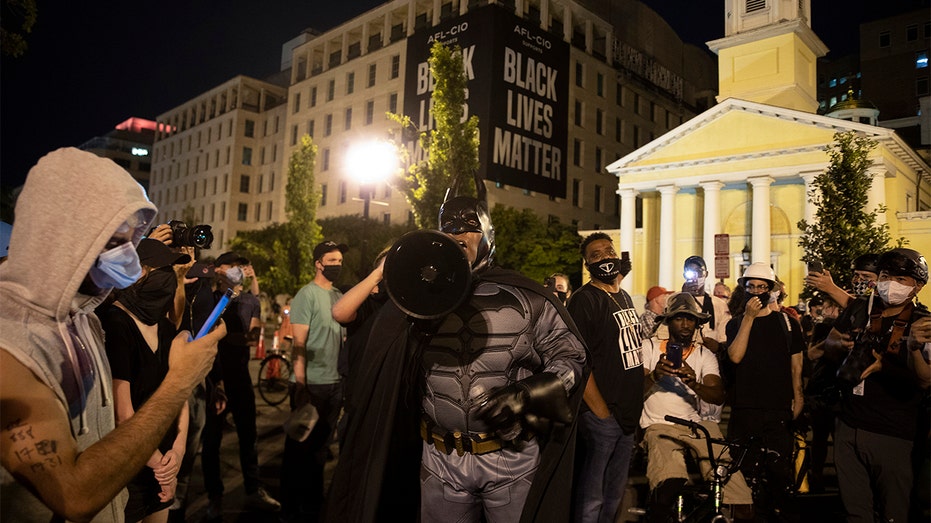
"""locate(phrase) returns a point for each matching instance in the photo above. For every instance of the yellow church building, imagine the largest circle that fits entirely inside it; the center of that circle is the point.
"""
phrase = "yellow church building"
(743, 168)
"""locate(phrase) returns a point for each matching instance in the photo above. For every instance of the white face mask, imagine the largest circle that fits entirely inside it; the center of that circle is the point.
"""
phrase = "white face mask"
(893, 292)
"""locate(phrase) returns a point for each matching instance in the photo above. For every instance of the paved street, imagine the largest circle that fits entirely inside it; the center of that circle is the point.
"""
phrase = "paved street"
(815, 508)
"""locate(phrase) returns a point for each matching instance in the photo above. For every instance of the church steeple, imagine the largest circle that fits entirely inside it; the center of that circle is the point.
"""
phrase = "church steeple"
(769, 53)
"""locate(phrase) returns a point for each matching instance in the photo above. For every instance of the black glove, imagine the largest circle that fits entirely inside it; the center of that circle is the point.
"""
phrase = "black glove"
(625, 266)
(534, 402)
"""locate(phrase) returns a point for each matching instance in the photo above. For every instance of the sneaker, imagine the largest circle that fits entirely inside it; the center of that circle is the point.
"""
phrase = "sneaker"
(215, 509)
(261, 500)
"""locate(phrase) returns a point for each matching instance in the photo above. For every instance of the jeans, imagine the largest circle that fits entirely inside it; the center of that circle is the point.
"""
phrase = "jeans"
(603, 475)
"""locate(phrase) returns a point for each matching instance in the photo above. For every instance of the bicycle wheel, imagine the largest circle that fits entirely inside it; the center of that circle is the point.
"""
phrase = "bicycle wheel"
(274, 379)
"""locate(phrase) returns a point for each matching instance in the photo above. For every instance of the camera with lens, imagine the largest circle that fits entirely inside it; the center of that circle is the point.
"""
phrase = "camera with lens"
(200, 236)
(860, 357)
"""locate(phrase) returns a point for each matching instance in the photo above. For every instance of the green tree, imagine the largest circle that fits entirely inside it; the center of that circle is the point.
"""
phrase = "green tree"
(451, 148)
(844, 228)
(17, 17)
(527, 244)
(282, 254)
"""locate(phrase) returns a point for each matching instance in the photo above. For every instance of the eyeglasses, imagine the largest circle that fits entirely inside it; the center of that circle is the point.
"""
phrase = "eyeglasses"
(753, 287)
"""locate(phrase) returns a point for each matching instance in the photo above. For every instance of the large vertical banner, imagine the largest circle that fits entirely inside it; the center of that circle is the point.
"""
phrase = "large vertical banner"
(518, 87)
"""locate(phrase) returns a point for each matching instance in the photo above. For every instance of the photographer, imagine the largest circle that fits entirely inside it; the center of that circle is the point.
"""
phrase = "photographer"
(885, 374)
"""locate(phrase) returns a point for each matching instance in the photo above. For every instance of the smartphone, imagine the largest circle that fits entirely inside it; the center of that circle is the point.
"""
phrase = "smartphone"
(674, 354)
(215, 315)
(625, 255)
(815, 266)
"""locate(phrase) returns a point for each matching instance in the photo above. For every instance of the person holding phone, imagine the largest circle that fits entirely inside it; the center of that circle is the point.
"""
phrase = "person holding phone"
(681, 372)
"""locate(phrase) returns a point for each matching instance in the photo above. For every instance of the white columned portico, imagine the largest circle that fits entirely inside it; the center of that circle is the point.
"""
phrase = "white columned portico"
(628, 227)
(809, 204)
(760, 235)
(712, 225)
(877, 194)
(667, 235)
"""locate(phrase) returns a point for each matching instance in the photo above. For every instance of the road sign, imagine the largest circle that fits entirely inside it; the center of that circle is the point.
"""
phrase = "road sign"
(722, 244)
(722, 267)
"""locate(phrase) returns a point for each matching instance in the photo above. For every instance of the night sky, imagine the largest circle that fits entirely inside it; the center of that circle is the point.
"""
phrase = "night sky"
(91, 65)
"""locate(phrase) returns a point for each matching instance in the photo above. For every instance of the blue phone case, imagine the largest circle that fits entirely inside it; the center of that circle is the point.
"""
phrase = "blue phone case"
(215, 315)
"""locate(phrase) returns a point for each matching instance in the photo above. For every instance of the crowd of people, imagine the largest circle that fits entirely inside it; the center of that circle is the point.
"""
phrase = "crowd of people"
(522, 402)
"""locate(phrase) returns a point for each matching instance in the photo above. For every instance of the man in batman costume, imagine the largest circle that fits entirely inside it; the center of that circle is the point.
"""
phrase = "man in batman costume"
(478, 405)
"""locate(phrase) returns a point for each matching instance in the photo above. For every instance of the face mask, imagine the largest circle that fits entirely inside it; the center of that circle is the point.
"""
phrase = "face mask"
(233, 275)
(764, 298)
(152, 298)
(605, 270)
(331, 272)
(116, 268)
(893, 292)
(863, 288)
(561, 296)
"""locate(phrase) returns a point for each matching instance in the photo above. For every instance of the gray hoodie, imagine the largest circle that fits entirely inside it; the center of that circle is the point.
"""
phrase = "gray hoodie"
(71, 205)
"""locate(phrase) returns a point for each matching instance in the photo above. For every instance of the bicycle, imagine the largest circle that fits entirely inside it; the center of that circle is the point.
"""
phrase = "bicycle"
(274, 379)
(701, 503)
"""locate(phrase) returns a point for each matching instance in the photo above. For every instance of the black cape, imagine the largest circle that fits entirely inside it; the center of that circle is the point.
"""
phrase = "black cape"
(377, 477)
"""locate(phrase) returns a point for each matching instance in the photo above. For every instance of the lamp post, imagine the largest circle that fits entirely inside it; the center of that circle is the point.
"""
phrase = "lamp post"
(369, 163)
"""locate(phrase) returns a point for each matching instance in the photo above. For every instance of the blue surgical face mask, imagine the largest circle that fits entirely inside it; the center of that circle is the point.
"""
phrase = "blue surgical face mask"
(116, 268)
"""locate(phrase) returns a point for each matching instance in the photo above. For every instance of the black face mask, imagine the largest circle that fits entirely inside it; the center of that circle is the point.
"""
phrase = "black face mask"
(561, 296)
(331, 272)
(605, 270)
(764, 298)
(151, 298)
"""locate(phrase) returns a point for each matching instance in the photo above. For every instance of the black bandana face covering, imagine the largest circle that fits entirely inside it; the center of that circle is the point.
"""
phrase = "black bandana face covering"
(151, 299)
(605, 270)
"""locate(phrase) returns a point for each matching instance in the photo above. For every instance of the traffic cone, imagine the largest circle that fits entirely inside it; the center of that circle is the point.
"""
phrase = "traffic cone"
(275, 347)
(260, 349)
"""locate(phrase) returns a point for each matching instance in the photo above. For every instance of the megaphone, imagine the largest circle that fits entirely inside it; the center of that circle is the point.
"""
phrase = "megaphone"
(427, 274)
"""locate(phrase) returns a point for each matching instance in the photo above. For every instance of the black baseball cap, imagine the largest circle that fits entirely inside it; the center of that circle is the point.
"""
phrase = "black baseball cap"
(328, 246)
(155, 254)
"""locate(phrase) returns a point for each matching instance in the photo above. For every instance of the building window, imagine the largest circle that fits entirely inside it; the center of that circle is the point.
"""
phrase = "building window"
(247, 155)
(921, 59)
(323, 195)
(921, 86)
(369, 112)
(885, 39)
(578, 113)
(294, 135)
(249, 130)
(618, 126)
(636, 136)
(597, 159)
(576, 192)
(637, 103)
(597, 198)
(619, 96)
(328, 125)
(755, 5)
(911, 33)
(349, 118)
(393, 103)
(325, 164)
(579, 74)
(342, 192)
(330, 90)
(297, 103)
(268, 211)
(395, 66)
(577, 153)
(261, 184)
(242, 212)
(310, 128)
(313, 96)
(258, 211)
(600, 85)
(599, 121)
(271, 181)
(244, 183)
(386, 218)
(372, 75)
(350, 83)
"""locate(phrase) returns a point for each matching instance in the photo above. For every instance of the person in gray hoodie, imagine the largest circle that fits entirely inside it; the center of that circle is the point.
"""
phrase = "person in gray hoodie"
(78, 220)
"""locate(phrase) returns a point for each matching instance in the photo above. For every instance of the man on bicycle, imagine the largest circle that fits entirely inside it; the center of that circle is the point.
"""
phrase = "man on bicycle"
(674, 385)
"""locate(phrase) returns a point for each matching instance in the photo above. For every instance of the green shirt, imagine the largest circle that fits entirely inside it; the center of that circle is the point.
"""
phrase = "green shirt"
(312, 307)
